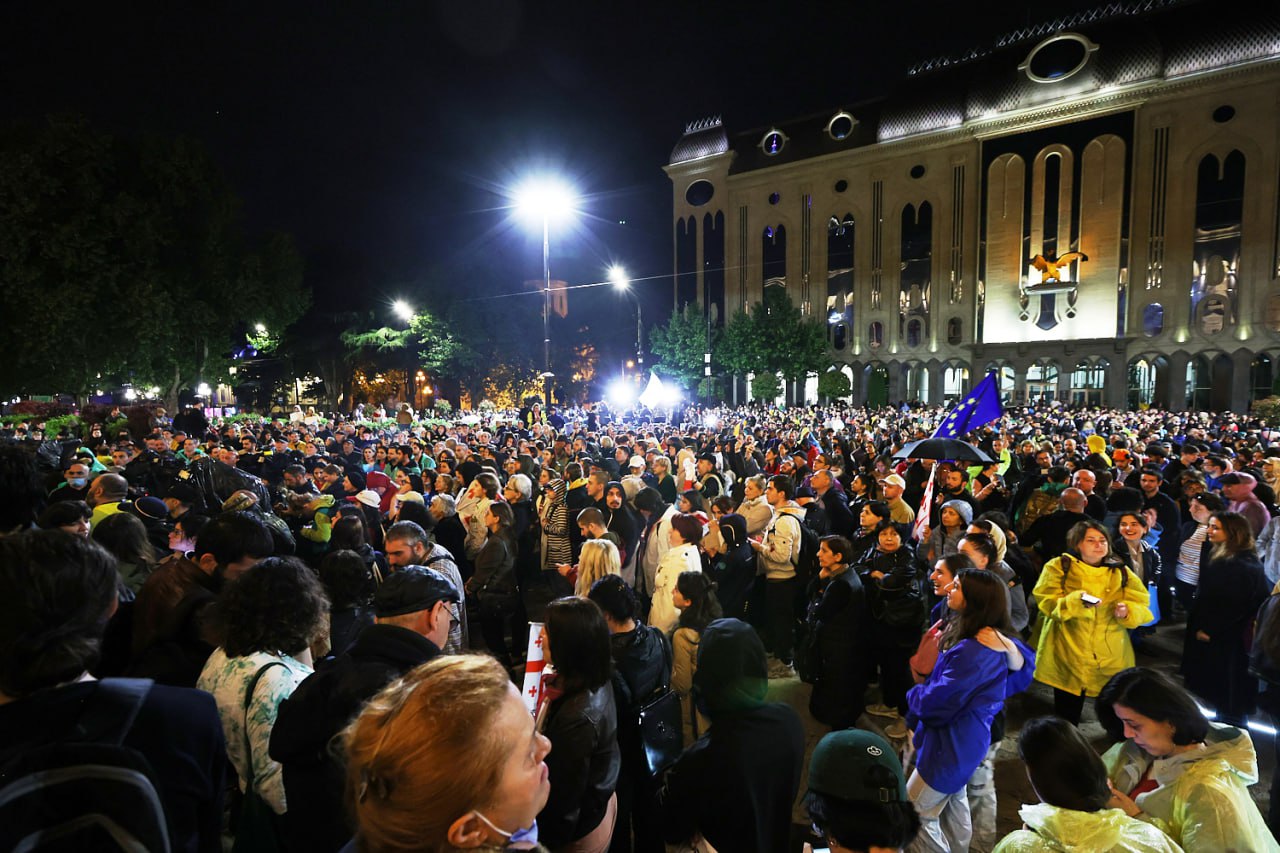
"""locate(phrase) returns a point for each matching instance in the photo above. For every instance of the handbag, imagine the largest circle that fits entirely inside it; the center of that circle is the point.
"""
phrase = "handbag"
(660, 732)
(899, 608)
(256, 822)
(1153, 592)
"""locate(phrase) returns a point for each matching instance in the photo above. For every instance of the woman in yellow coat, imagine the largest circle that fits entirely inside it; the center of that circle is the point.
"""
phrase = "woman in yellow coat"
(1089, 601)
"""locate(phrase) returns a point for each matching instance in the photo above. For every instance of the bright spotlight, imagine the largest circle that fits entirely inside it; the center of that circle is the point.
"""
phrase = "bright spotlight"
(260, 328)
(621, 394)
(711, 422)
(130, 394)
(402, 309)
(618, 276)
(203, 390)
(834, 317)
(545, 200)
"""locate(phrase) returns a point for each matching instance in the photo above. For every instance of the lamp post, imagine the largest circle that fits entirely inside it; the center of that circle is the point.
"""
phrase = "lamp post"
(622, 284)
(542, 201)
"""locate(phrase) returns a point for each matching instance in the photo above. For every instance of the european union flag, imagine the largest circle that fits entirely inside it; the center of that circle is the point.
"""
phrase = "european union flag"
(980, 407)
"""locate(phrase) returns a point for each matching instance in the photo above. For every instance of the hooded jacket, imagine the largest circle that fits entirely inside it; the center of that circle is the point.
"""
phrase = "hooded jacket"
(781, 548)
(1080, 646)
(1050, 829)
(952, 711)
(1202, 801)
(737, 784)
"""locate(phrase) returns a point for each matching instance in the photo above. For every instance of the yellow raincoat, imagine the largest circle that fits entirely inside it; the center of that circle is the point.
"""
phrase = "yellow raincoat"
(1050, 829)
(1203, 800)
(1080, 646)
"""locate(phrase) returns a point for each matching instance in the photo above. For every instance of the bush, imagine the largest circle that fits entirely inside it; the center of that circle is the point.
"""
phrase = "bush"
(39, 410)
(443, 406)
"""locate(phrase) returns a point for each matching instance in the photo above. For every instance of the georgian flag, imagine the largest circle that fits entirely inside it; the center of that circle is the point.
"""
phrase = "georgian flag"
(922, 516)
(535, 662)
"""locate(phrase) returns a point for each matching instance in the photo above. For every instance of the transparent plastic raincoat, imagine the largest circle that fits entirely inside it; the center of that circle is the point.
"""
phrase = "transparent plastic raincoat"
(1051, 829)
(1203, 800)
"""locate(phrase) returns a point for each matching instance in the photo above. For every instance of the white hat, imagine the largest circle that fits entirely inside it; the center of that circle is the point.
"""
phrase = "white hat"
(894, 480)
(369, 497)
(636, 462)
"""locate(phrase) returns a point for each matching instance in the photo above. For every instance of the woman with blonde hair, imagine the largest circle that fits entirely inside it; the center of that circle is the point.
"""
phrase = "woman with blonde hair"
(599, 558)
(446, 759)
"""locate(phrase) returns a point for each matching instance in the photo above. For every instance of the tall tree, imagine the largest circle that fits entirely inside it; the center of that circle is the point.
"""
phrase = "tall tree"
(774, 337)
(680, 344)
(123, 259)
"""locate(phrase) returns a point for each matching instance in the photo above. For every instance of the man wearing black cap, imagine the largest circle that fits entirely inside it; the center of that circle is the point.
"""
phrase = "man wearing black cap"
(736, 785)
(709, 481)
(414, 609)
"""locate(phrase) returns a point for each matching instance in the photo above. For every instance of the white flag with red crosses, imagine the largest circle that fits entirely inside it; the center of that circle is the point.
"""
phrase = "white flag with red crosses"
(535, 662)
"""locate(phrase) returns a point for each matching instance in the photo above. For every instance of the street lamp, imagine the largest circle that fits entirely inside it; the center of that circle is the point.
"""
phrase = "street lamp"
(403, 310)
(621, 283)
(544, 200)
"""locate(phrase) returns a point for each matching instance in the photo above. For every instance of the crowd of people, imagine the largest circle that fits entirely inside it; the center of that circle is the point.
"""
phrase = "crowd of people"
(312, 634)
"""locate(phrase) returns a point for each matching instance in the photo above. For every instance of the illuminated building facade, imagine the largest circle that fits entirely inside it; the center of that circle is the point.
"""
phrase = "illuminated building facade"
(1089, 208)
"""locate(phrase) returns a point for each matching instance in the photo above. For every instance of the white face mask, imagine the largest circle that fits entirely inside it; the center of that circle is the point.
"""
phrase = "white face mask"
(489, 823)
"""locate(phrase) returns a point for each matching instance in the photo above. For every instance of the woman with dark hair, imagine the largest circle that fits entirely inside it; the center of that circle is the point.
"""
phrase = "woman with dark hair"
(1174, 769)
(682, 556)
(1090, 601)
(124, 535)
(1194, 533)
(865, 538)
(897, 611)
(350, 585)
(692, 502)
(982, 551)
(263, 622)
(695, 598)
(641, 667)
(348, 534)
(578, 714)
(1075, 810)
(733, 566)
(67, 516)
(863, 489)
(979, 665)
(835, 625)
(1233, 584)
(493, 585)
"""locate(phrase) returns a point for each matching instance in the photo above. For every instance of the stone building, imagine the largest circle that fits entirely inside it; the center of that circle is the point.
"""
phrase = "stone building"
(1087, 207)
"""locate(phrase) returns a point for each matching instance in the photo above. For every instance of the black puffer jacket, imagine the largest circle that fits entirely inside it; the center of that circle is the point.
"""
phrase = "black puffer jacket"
(319, 709)
(583, 764)
(641, 665)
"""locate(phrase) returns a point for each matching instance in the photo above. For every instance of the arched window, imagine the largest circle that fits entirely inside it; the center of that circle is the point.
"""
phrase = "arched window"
(953, 331)
(775, 255)
(1153, 319)
(875, 335)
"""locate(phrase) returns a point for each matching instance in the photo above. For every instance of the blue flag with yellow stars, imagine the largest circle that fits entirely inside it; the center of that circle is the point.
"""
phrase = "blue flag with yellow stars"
(981, 406)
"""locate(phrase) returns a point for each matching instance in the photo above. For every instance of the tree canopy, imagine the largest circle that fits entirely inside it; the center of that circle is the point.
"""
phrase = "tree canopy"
(680, 345)
(774, 337)
(131, 254)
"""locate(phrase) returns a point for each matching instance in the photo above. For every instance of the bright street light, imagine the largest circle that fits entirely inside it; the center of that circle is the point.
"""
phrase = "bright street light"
(402, 309)
(203, 389)
(545, 200)
(618, 276)
(260, 328)
(622, 284)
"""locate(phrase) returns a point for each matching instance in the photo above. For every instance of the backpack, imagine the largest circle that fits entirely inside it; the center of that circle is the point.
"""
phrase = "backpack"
(1039, 503)
(806, 565)
(87, 790)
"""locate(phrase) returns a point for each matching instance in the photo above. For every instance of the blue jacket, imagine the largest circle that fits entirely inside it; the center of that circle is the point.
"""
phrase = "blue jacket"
(952, 711)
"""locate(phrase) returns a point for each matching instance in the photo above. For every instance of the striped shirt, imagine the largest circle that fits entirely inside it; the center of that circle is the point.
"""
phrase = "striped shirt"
(1188, 570)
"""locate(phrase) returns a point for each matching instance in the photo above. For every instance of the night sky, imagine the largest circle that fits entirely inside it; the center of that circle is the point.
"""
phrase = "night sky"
(381, 135)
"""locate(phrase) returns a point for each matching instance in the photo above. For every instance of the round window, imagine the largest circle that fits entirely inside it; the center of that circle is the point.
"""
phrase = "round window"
(1058, 57)
(917, 171)
(841, 126)
(699, 193)
(1224, 114)
(774, 198)
(773, 142)
(841, 185)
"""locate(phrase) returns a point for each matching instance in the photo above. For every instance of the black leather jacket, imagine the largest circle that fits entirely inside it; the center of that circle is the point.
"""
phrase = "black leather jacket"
(583, 764)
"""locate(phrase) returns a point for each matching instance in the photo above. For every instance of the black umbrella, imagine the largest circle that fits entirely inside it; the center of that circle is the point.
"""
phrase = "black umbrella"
(942, 448)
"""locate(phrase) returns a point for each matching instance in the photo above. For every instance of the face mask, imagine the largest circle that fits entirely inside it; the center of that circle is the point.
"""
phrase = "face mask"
(78, 482)
(489, 823)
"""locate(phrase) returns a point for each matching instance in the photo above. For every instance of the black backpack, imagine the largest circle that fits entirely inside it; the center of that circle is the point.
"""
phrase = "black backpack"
(86, 790)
